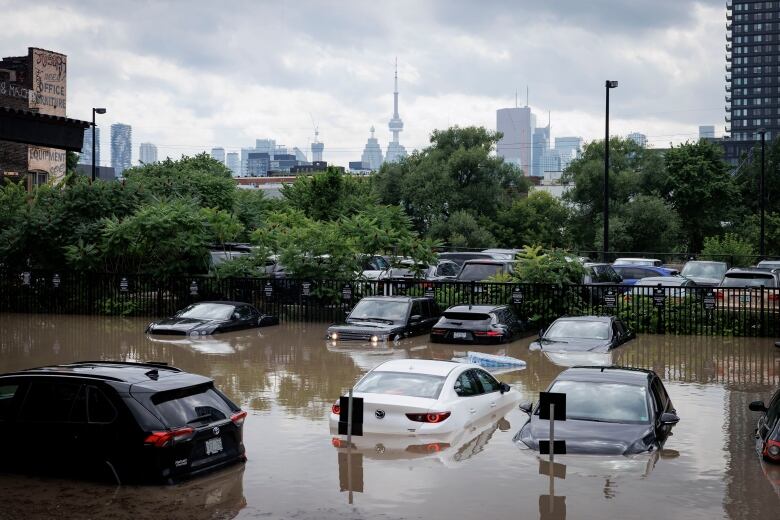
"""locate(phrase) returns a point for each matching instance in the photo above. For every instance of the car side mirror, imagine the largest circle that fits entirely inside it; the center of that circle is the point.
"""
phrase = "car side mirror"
(526, 406)
(669, 418)
(236, 316)
(416, 318)
(266, 320)
(757, 406)
(541, 333)
(503, 387)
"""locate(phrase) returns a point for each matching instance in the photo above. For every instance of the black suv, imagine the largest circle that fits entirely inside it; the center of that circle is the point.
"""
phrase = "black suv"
(380, 318)
(129, 421)
(477, 324)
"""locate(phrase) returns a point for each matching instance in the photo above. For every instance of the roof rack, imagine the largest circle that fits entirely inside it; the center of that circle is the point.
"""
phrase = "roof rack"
(148, 364)
(45, 371)
(615, 367)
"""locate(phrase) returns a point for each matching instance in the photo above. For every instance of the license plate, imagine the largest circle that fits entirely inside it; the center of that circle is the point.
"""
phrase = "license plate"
(213, 446)
(459, 335)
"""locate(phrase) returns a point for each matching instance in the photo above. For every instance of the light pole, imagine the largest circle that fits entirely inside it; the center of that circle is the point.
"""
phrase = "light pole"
(762, 196)
(94, 167)
(608, 85)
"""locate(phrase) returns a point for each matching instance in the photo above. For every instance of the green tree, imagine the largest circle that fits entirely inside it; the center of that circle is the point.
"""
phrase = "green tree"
(700, 188)
(646, 223)
(161, 238)
(329, 195)
(456, 173)
(462, 229)
(250, 208)
(552, 266)
(539, 218)
(730, 247)
(199, 178)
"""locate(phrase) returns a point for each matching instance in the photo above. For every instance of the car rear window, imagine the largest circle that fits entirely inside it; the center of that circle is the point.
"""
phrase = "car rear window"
(193, 405)
(466, 316)
(477, 272)
(401, 383)
(748, 280)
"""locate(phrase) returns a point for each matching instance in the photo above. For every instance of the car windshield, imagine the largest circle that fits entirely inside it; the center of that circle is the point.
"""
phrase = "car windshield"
(704, 270)
(207, 311)
(605, 402)
(199, 404)
(578, 329)
(477, 272)
(401, 383)
(772, 264)
(748, 280)
(380, 309)
(466, 316)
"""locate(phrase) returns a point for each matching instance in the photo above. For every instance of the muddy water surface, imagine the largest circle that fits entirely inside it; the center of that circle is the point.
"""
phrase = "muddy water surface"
(288, 377)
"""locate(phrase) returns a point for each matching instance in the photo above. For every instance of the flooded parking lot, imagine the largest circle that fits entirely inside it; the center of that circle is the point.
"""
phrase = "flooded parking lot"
(288, 377)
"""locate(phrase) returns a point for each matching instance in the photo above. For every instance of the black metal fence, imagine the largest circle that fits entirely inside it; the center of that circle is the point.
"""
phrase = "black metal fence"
(674, 310)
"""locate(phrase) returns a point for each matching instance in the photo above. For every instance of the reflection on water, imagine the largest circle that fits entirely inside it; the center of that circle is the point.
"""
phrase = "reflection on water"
(288, 376)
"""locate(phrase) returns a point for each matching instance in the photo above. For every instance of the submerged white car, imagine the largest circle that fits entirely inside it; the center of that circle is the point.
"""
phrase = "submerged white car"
(421, 397)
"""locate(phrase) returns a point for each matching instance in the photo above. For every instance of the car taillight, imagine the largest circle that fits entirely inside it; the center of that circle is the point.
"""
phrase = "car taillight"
(438, 332)
(719, 295)
(491, 333)
(433, 447)
(432, 417)
(773, 297)
(336, 409)
(238, 418)
(335, 441)
(163, 439)
(772, 450)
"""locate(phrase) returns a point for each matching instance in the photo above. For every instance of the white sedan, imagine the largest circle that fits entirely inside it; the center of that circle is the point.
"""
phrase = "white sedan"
(420, 397)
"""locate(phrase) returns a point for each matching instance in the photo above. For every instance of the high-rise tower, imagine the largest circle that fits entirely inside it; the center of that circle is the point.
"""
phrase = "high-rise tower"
(372, 153)
(121, 146)
(317, 147)
(395, 151)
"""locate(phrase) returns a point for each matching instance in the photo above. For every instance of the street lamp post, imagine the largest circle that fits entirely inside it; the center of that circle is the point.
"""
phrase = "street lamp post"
(762, 190)
(94, 167)
(608, 85)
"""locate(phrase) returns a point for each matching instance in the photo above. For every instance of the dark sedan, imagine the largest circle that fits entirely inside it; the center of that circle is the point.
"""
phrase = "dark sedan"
(204, 318)
(609, 411)
(380, 318)
(477, 324)
(768, 428)
(583, 334)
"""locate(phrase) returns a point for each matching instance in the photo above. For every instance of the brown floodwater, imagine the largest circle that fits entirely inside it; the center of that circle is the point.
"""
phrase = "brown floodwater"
(287, 377)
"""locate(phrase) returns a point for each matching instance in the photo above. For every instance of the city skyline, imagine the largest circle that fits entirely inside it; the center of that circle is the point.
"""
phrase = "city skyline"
(151, 72)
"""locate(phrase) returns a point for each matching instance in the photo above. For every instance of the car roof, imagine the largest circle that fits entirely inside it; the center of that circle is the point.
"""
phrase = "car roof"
(605, 319)
(637, 259)
(705, 262)
(750, 270)
(421, 366)
(222, 303)
(613, 374)
(650, 280)
(396, 298)
(474, 308)
(488, 261)
(121, 371)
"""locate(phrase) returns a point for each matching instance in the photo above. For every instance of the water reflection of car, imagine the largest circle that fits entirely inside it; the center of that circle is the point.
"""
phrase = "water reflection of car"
(425, 397)
(477, 324)
(609, 411)
(742, 288)
(768, 428)
(583, 334)
(449, 449)
(705, 273)
(212, 317)
(380, 318)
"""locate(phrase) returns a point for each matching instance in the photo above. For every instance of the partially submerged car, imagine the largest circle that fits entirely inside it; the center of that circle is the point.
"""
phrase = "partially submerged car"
(583, 334)
(768, 428)
(477, 324)
(140, 422)
(205, 318)
(426, 397)
(742, 288)
(609, 411)
(380, 318)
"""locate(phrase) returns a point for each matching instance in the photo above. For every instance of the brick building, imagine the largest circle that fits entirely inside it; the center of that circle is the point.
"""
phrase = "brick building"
(34, 132)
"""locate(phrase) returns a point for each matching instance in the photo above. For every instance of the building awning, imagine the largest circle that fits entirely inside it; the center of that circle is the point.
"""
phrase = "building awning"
(23, 126)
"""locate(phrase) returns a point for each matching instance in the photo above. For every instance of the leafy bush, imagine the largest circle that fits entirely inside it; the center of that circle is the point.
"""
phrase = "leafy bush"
(729, 247)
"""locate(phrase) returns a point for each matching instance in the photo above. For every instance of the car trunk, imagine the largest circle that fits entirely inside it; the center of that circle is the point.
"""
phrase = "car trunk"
(393, 409)
(465, 327)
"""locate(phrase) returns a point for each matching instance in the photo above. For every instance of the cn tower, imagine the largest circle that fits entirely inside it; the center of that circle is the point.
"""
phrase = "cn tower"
(395, 150)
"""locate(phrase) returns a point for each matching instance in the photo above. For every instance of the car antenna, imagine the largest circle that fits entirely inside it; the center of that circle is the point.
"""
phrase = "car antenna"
(153, 374)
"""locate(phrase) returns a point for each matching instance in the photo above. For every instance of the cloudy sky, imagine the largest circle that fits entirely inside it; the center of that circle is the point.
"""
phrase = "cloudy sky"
(191, 75)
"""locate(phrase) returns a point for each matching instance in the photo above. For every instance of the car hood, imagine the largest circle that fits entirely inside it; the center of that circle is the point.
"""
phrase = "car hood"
(590, 437)
(182, 324)
(358, 325)
(571, 345)
(708, 282)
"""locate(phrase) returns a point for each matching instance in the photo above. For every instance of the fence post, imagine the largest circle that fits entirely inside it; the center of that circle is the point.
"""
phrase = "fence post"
(471, 292)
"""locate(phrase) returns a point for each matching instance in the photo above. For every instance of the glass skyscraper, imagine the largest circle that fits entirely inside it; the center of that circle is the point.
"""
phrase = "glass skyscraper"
(86, 150)
(121, 147)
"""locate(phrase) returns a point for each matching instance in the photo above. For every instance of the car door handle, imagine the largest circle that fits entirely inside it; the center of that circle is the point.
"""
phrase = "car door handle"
(472, 410)
(493, 404)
